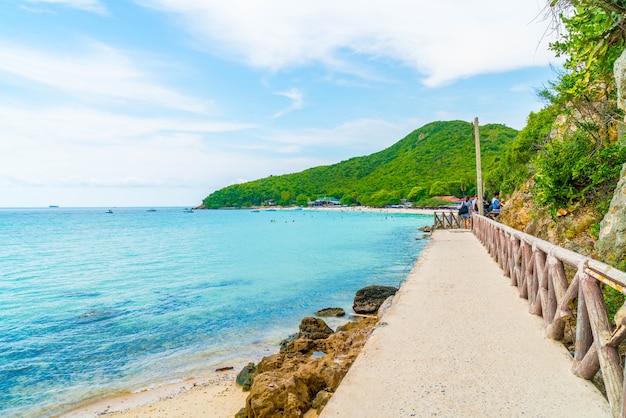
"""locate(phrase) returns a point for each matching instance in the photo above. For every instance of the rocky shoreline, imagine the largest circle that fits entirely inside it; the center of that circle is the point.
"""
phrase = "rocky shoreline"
(299, 380)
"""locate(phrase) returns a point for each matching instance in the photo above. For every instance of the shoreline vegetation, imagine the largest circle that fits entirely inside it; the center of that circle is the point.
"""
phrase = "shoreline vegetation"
(211, 396)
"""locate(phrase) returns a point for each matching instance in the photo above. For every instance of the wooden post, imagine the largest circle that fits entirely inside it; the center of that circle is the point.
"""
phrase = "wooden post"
(479, 172)
(612, 372)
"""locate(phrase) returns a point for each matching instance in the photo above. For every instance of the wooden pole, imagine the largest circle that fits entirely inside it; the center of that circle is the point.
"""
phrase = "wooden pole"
(479, 172)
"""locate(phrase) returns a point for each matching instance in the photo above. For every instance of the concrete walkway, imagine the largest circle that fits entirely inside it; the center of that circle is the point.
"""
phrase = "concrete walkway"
(459, 342)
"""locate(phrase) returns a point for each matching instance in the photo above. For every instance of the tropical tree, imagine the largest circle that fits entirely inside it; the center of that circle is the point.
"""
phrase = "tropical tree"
(580, 153)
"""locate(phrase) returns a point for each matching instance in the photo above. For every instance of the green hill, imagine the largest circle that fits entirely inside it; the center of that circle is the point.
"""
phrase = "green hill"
(436, 159)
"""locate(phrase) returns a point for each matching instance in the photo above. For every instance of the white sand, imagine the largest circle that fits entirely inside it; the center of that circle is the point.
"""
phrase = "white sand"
(211, 397)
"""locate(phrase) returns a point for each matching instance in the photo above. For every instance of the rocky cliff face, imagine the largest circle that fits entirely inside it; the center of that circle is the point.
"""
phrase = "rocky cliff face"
(570, 230)
(612, 238)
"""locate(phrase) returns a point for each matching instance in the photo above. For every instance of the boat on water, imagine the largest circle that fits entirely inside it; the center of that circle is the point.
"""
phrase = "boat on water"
(188, 210)
(151, 210)
(109, 211)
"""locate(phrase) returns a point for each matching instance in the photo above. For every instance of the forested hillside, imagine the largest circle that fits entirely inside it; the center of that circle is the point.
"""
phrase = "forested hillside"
(436, 159)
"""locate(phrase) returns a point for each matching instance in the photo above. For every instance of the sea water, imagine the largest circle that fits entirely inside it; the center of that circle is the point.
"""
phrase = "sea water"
(95, 303)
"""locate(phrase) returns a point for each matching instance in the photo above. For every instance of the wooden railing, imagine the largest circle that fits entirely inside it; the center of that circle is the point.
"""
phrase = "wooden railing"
(448, 220)
(538, 269)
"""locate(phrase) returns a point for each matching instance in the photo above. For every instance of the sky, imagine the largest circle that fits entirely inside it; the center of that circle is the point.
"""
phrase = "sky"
(110, 103)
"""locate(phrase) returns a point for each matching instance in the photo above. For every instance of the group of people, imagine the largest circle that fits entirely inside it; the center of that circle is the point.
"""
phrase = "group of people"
(469, 205)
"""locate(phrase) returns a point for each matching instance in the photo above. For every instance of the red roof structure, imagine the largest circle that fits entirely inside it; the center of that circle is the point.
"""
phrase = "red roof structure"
(451, 199)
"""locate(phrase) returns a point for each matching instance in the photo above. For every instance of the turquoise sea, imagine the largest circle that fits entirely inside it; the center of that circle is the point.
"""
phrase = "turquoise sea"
(95, 303)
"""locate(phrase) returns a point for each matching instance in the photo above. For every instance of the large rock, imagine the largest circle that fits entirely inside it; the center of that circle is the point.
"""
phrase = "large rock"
(314, 328)
(369, 299)
(290, 383)
(619, 71)
(330, 312)
(245, 378)
(612, 238)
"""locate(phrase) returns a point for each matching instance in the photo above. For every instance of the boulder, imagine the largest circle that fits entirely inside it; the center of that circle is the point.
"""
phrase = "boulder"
(369, 299)
(619, 71)
(245, 378)
(290, 383)
(321, 399)
(314, 328)
(330, 312)
(612, 238)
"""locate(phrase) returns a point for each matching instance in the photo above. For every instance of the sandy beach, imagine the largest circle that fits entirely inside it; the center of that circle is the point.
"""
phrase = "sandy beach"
(215, 396)
(408, 211)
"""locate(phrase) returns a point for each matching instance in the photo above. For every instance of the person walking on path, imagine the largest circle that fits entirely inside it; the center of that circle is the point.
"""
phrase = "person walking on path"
(466, 211)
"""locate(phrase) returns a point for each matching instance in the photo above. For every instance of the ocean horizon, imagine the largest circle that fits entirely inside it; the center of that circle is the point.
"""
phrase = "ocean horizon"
(97, 303)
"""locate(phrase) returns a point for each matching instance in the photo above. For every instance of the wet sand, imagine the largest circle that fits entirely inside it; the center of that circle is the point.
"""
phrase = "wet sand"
(209, 397)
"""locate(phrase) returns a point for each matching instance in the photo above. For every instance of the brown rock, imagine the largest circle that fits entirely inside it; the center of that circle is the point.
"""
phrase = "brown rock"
(287, 383)
(314, 328)
(331, 312)
(321, 399)
(369, 299)
(246, 376)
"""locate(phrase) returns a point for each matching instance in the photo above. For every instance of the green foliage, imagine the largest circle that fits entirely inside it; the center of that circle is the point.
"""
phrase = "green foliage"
(568, 169)
(437, 152)
(592, 40)
(581, 158)
(516, 167)
(432, 202)
(613, 300)
(416, 193)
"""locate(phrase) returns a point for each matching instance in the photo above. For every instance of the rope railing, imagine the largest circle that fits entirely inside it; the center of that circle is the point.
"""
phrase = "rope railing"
(538, 269)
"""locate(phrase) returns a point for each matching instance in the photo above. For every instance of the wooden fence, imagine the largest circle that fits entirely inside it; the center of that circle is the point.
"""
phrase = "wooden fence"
(448, 220)
(538, 269)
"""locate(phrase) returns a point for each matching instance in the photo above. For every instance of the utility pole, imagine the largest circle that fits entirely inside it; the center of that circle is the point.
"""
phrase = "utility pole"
(479, 172)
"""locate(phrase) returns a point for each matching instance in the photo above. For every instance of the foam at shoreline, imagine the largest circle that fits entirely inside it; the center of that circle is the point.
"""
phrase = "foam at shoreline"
(214, 396)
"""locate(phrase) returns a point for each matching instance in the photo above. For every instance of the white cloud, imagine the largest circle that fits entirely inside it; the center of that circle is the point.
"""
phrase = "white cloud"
(60, 125)
(296, 98)
(73, 147)
(357, 137)
(102, 71)
(444, 40)
(93, 6)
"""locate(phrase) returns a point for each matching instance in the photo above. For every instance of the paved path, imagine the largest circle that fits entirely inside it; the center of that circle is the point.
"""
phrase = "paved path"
(459, 342)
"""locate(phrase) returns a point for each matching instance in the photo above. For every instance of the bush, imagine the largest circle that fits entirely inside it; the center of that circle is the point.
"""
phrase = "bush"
(567, 169)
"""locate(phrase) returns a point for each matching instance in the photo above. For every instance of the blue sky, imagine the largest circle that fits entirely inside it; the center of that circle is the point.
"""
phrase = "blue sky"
(161, 102)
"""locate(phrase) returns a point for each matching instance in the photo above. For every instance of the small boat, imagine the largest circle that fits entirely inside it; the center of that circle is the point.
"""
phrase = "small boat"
(256, 210)
(187, 210)
(151, 210)
(109, 211)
